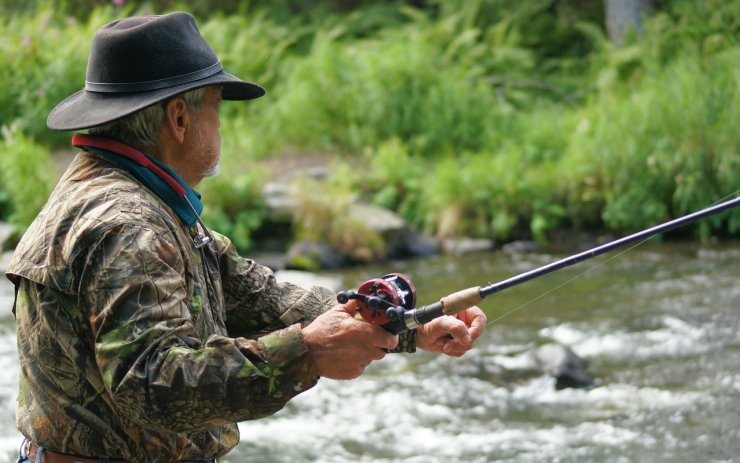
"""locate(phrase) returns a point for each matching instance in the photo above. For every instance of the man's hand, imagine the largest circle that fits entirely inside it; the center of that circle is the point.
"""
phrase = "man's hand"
(452, 335)
(342, 346)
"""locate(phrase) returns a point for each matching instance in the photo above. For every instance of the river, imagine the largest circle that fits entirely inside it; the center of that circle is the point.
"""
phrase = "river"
(658, 326)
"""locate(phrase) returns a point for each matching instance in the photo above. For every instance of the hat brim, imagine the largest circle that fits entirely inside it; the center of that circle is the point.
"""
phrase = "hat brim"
(85, 109)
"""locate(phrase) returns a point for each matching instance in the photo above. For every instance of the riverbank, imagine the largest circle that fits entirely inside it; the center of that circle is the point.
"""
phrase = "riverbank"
(466, 120)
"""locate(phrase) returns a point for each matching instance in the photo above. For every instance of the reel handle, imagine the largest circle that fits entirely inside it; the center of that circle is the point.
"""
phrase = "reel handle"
(344, 297)
(371, 302)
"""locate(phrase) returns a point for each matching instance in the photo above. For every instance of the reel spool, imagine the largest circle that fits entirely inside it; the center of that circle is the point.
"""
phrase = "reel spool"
(383, 301)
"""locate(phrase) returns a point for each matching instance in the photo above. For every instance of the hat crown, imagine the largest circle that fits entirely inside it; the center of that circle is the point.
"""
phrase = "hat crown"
(149, 50)
(139, 61)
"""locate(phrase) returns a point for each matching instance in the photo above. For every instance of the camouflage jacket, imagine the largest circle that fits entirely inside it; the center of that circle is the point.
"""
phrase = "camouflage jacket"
(133, 343)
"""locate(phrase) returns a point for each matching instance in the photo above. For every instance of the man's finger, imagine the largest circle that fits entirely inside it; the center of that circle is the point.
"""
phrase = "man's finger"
(350, 307)
(459, 331)
(385, 339)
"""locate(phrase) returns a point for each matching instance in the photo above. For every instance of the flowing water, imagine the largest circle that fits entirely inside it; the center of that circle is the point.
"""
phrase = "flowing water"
(658, 325)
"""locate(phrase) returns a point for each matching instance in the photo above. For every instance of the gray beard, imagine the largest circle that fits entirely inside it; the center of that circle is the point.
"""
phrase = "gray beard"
(213, 171)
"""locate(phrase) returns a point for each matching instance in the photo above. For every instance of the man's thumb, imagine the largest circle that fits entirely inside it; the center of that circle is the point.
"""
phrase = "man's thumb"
(350, 307)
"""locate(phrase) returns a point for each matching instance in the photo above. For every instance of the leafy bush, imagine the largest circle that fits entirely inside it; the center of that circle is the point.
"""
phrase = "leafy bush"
(251, 46)
(391, 177)
(233, 206)
(399, 83)
(322, 215)
(44, 58)
(668, 147)
(26, 177)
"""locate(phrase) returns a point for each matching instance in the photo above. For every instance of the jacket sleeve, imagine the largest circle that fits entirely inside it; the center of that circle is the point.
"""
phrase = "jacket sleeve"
(257, 303)
(156, 368)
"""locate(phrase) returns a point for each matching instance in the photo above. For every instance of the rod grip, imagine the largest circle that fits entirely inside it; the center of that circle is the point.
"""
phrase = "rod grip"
(460, 300)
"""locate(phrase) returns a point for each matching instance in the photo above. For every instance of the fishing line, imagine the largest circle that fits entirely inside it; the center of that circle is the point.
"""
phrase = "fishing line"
(565, 283)
(389, 301)
(576, 277)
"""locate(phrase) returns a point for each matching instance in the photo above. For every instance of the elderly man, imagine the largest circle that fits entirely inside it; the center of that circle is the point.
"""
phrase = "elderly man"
(142, 335)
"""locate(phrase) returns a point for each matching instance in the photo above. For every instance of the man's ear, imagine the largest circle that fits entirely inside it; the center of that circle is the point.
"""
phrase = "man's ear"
(176, 118)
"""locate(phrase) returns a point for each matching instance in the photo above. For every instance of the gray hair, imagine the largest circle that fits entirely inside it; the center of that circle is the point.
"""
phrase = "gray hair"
(141, 129)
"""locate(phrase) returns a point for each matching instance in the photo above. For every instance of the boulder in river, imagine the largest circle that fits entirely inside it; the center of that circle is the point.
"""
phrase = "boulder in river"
(555, 360)
(560, 362)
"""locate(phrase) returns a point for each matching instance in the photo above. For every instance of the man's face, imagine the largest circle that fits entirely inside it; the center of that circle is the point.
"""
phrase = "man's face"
(205, 137)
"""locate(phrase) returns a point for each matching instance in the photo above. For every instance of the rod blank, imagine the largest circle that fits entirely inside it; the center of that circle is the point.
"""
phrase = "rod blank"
(461, 300)
(576, 258)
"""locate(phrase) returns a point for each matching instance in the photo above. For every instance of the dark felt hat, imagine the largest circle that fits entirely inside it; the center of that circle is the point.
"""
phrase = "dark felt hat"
(141, 60)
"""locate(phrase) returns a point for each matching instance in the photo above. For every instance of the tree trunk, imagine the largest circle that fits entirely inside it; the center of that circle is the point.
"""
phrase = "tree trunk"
(625, 15)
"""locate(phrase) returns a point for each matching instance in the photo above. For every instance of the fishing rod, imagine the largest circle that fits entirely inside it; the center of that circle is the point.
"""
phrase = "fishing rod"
(390, 301)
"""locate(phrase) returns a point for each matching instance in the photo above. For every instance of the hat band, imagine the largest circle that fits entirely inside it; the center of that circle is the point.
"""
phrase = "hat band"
(148, 85)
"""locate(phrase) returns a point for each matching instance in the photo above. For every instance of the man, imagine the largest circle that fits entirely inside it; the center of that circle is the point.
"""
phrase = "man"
(142, 335)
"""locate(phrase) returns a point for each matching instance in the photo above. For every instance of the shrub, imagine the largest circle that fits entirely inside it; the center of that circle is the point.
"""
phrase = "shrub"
(668, 147)
(26, 176)
(233, 206)
(323, 214)
(348, 96)
(44, 58)
(391, 176)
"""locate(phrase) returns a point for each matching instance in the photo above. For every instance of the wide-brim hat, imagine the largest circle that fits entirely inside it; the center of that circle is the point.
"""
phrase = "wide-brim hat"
(142, 60)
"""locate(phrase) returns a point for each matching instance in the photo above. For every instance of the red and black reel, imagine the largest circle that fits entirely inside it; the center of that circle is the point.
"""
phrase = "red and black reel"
(383, 301)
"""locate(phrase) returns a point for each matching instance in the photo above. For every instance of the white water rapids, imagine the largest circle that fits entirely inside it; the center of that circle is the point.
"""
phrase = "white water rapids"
(659, 328)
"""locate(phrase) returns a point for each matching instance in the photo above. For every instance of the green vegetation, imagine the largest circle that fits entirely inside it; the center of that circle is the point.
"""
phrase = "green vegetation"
(322, 216)
(25, 176)
(485, 118)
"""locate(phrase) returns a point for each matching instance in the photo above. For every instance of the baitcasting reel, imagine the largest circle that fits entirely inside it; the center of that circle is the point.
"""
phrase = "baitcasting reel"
(383, 301)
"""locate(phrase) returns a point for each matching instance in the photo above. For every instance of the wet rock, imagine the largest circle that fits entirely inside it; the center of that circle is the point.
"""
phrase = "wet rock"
(308, 279)
(279, 201)
(274, 260)
(312, 255)
(399, 239)
(377, 218)
(463, 246)
(8, 236)
(521, 247)
(420, 245)
(555, 360)
(280, 195)
(560, 362)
